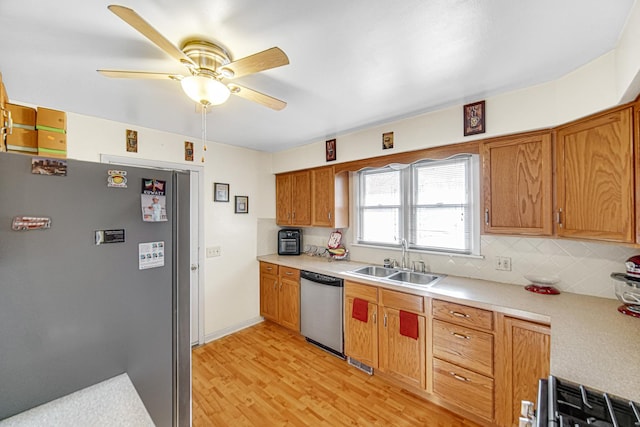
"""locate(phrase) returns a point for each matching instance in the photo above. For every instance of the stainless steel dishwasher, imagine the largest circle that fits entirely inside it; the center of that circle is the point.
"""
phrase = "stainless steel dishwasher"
(321, 302)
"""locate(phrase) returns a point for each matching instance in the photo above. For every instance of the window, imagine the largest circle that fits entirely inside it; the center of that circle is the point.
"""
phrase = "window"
(431, 203)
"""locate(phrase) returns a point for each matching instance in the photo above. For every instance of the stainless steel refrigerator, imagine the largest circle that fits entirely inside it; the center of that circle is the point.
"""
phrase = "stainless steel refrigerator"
(73, 312)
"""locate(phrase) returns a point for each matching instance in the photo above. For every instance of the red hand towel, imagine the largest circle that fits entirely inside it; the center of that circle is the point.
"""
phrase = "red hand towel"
(409, 324)
(360, 310)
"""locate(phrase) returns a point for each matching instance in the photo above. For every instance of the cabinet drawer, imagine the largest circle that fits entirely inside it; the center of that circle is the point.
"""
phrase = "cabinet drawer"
(463, 346)
(268, 268)
(289, 273)
(468, 390)
(463, 315)
(402, 301)
(357, 290)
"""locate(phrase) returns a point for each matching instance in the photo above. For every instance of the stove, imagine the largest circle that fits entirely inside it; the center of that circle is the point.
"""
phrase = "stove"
(562, 403)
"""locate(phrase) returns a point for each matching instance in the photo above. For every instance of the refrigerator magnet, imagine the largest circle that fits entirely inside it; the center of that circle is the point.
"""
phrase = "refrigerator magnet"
(153, 186)
(117, 179)
(154, 207)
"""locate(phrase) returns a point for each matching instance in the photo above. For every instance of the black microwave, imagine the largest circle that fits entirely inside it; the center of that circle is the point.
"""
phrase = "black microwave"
(289, 240)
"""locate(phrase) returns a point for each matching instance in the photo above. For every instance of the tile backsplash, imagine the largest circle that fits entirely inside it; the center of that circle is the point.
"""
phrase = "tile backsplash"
(582, 267)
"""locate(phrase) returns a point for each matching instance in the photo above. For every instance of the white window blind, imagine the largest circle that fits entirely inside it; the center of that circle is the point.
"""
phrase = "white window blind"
(380, 206)
(430, 203)
(439, 210)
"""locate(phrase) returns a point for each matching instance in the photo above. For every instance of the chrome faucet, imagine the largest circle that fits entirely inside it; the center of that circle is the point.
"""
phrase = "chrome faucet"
(403, 263)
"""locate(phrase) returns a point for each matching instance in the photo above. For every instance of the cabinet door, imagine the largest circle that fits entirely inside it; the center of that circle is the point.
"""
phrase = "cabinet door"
(518, 185)
(283, 199)
(524, 358)
(360, 338)
(289, 298)
(269, 296)
(400, 356)
(595, 182)
(301, 198)
(322, 185)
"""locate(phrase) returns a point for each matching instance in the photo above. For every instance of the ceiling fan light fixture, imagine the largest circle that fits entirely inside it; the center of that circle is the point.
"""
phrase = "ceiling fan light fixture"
(205, 90)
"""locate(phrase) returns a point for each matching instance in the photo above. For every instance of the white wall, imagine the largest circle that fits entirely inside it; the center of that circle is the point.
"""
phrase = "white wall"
(231, 289)
(586, 90)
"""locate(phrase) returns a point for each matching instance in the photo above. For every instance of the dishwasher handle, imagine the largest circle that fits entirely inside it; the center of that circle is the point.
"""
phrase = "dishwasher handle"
(321, 278)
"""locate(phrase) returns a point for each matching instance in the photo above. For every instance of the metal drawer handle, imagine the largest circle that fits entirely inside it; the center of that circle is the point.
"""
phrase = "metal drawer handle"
(269, 268)
(459, 377)
(461, 336)
(375, 318)
(288, 273)
(486, 216)
(458, 314)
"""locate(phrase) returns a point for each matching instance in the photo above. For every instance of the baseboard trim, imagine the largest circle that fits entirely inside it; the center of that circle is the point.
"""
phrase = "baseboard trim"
(232, 329)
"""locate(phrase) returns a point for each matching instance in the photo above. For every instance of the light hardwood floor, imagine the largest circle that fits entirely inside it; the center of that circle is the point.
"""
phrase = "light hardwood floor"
(268, 376)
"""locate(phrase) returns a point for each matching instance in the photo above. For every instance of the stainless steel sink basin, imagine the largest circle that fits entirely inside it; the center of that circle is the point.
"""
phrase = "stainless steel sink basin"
(414, 278)
(396, 276)
(375, 271)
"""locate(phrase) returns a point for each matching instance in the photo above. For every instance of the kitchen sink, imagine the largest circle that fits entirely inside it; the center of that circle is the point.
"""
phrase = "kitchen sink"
(376, 271)
(414, 278)
(396, 276)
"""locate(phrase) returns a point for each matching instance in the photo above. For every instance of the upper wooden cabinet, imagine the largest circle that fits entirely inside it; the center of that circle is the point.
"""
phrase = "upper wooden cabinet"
(595, 177)
(293, 198)
(330, 198)
(313, 197)
(518, 184)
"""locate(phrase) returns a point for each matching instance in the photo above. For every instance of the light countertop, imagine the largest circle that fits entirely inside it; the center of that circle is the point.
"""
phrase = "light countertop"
(114, 402)
(591, 342)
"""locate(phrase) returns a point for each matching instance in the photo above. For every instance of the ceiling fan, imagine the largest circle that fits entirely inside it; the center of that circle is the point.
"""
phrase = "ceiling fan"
(209, 66)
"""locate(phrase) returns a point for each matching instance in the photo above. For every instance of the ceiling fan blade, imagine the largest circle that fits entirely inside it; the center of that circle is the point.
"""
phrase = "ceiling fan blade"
(265, 60)
(137, 22)
(120, 74)
(255, 96)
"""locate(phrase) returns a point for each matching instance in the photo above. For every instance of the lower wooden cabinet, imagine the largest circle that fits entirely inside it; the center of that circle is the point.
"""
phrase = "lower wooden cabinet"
(464, 388)
(468, 358)
(361, 338)
(289, 298)
(400, 356)
(280, 295)
(463, 352)
(269, 291)
(522, 359)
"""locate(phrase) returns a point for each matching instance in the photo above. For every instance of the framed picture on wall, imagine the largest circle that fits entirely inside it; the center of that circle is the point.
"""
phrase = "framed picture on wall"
(331, 150)
(474, 116)
(220, 192)
(242, 204)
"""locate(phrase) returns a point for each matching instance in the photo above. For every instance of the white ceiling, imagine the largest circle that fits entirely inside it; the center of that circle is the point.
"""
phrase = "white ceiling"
(354, 63)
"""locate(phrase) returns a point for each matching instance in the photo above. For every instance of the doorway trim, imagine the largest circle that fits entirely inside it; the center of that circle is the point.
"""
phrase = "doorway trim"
(159, 164)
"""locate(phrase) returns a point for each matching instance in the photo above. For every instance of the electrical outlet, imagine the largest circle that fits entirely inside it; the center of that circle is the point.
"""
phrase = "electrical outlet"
(213, 251)
(503, 263)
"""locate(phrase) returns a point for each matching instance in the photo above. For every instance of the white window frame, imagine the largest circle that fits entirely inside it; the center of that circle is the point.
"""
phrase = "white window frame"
(407, 197)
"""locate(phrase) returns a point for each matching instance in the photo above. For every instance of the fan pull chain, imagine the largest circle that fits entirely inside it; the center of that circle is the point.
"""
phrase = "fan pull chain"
(204, 130)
